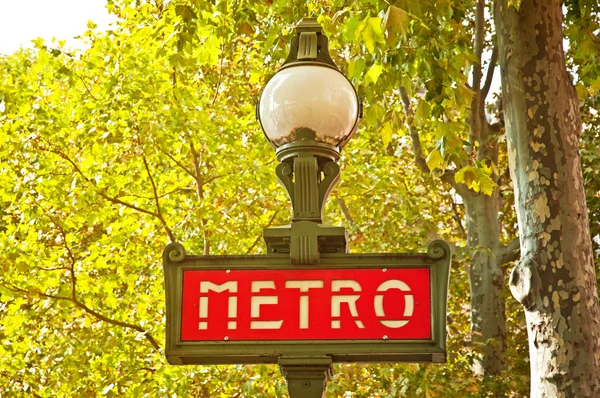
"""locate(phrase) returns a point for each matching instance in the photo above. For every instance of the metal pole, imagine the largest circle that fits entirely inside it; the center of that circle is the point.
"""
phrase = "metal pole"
(306, 377)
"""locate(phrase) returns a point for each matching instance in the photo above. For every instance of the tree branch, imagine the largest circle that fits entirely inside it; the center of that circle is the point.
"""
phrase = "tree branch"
(177, 162)
(458, 220)
(161, 195)
(73, 297)
(477, 116)
(73, 261)
(197, 174)
(99, 191)
(70, 254)
(447, 176)
(115, 322)
(505, 175)
(348, 216)
(10, 287)
(490, 74)
(220, 75)
(85, 85)
(197, 159)
(510, 252)
(260, 235)
(126, 204)
(158, 211)
(479, 40)
(414, 134)
(51, 269)
(148, 336)
(211, 179)
(72, 71)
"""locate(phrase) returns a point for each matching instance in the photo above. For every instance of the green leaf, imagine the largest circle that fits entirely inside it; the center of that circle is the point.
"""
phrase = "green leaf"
(356, 68)
(350, 28)
(370, 33)
(463, 95)
(210, 51)
(255, 77)
(582, 91)
(374, 113)
(373, 74)
(422, 112)
(185, 12)
(441, 145)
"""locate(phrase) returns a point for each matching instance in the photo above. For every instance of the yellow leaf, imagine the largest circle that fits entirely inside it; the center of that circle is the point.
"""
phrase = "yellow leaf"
(24, 109)
(595, 84)
(255, 77)
(396, 22)
(422, 111)
(466, 175)
(435, 160)
(373, 74)
(386, 133)
(486, 184)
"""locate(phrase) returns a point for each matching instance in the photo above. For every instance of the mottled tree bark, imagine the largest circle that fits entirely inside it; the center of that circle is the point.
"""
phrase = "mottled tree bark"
(486, 277)
(554, 279)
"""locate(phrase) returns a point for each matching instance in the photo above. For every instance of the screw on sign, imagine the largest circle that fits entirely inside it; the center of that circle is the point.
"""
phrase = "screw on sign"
(326, 304)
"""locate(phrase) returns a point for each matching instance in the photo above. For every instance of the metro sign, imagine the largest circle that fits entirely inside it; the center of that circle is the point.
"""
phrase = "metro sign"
(254, 309)
(329, 304)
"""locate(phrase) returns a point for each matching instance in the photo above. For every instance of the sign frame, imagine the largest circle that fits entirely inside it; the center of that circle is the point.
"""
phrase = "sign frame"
(178, 352)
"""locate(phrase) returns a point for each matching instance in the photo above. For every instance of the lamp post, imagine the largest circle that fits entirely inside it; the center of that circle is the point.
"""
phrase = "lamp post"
(286, 307)
(308, 112)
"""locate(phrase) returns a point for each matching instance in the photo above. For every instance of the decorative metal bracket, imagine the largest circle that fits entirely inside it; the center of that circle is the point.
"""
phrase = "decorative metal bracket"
(306, 377)
(309, 45)
(303, 180)
(308, 171)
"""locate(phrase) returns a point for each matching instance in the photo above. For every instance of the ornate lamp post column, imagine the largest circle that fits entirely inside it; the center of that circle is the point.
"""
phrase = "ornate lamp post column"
(308, 111)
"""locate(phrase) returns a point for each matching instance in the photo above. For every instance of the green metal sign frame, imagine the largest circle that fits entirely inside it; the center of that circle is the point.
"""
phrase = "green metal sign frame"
(437, 259)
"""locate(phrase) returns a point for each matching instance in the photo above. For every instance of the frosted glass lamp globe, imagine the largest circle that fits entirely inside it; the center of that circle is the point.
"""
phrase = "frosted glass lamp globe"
(309, 96)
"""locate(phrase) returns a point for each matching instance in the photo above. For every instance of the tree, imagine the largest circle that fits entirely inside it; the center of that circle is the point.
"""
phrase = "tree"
(454, 137)
(554, 280)
(149, 136)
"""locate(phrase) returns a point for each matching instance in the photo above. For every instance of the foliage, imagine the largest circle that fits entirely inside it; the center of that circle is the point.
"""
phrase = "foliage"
(149, 135)
(582, 24)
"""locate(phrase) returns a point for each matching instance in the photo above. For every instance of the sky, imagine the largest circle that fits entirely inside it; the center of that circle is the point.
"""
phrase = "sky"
(22, 21)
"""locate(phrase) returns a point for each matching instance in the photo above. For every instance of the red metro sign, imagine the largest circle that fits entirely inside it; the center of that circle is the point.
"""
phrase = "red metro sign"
(293, 304)
(351, 307)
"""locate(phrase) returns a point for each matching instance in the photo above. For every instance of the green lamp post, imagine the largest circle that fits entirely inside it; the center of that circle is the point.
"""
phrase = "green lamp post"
(308, 111)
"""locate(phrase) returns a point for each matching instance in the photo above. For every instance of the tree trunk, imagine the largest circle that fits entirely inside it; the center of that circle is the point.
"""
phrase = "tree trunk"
(554, 279)
(488, 319)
